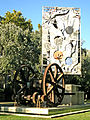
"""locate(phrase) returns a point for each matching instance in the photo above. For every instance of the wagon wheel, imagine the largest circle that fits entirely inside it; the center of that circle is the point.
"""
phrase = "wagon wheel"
(53, 84)
(23, 83)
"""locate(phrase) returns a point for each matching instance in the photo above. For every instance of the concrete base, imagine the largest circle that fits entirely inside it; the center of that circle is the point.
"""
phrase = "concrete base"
(24, 110)
(41, 112)
(29, 110)
(35, 111)
(77, 99)
(10, 108)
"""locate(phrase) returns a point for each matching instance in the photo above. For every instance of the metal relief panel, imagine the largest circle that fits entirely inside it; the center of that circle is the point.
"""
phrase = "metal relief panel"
(61, 38)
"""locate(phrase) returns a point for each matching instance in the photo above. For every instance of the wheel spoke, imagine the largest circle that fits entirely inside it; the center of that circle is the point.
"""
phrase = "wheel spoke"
(50, 89)
(60, 87)
(59, 95)
(21, 82)
(50, 82)
(50, 103)
(60, 76)
(22, 75)
(53, 81)
(21, 89)
(31, 79)
(57, 92)
(27, 77)
(56, 72)
(51, 74)
(50, 86)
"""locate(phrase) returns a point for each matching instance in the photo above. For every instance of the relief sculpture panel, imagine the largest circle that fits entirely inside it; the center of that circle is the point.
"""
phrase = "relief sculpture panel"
(61, 42)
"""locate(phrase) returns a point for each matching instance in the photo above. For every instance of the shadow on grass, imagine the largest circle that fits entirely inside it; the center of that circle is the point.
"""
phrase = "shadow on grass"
(3, 115)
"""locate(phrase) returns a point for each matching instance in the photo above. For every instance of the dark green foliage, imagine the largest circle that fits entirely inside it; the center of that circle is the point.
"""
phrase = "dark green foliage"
(17, 19)
(18, 47)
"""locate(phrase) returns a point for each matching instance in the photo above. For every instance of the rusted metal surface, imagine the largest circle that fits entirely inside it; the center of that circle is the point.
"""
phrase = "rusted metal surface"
(27, 90)
(53, 84)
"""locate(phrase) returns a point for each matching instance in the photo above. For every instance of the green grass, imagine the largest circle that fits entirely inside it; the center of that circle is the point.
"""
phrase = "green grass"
(88, 101)
(66, 110)
(82, 116)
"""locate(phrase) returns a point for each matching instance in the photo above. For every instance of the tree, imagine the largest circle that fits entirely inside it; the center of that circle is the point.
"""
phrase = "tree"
(37, 39)
(18, 43)
(85, 78)
(17, 19)
(16, 47)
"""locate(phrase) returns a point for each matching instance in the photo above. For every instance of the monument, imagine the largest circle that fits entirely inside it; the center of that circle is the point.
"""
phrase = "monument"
(61, 44)
(61, 54)
(61, 41)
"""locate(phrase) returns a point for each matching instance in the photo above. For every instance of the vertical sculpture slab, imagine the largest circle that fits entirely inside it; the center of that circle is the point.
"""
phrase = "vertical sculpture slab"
(61, 38)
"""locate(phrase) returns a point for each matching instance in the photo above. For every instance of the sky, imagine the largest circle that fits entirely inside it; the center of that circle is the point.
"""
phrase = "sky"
(32, 9)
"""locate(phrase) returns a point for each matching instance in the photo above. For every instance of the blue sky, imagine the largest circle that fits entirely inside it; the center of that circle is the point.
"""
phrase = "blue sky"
(32, 9)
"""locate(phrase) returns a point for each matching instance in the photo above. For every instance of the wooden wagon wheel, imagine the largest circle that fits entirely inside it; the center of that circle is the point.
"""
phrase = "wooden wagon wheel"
(53, 84)
(23, 83)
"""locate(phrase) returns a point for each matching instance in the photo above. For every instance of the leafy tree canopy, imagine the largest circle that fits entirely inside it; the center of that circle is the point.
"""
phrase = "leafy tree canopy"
(17, 18)
(18, 47)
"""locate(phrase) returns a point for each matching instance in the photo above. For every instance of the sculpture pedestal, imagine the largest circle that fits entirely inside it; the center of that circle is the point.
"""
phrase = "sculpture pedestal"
(77, 98)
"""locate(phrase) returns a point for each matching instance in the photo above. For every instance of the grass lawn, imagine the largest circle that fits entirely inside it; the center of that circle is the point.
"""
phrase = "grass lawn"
(81, 116)
(66, 110)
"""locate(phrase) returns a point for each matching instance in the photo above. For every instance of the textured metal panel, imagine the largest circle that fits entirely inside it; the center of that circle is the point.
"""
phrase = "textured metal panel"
(61, 32)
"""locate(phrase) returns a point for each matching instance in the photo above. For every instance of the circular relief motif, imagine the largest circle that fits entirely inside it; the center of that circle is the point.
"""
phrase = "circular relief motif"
(47, 46)
(68, 61)
(69, 30)
(58, 55)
